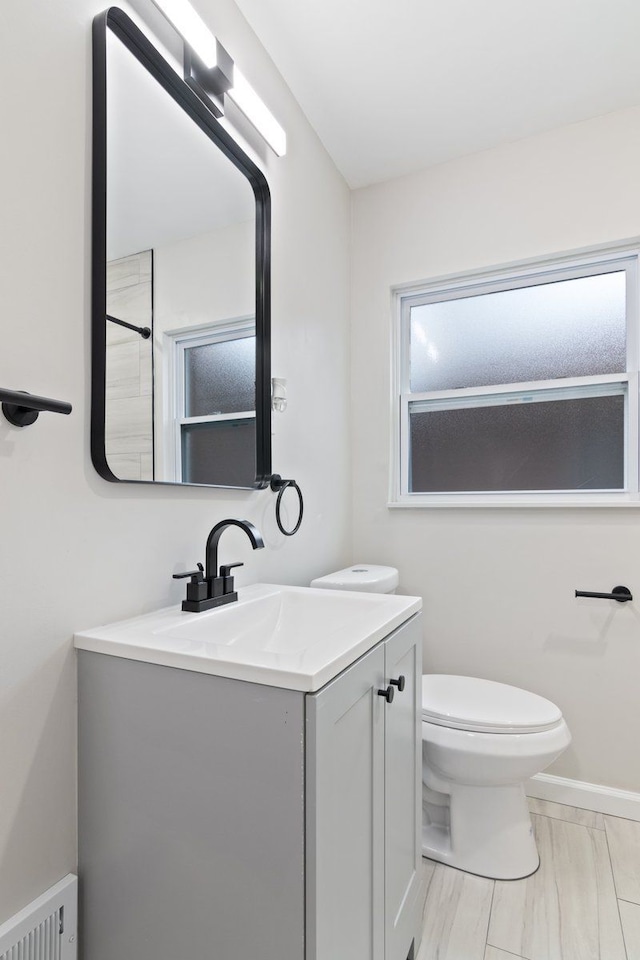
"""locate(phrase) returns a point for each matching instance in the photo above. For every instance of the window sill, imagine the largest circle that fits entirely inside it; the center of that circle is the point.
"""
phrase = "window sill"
(552, 502)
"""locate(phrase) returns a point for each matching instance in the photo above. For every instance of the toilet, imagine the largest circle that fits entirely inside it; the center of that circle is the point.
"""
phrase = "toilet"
(366, 577)
(481, 741)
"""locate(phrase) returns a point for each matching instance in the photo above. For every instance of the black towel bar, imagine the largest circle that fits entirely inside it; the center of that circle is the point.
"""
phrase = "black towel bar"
(145, 332)
(22, 408)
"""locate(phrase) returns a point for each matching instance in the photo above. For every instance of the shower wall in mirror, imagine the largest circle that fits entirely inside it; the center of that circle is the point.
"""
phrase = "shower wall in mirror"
(181, 285)
(129, 376)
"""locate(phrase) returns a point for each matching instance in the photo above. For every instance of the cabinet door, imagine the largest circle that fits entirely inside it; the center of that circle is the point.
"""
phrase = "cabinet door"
(345, 815)
(403, 777)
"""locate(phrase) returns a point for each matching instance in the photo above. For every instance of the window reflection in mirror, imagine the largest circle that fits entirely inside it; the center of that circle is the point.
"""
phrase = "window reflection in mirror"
(212, 420)
(181, 235)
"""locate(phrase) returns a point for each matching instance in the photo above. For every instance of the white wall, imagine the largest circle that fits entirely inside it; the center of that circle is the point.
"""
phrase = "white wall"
(498, 584)
(77, 551)
(205, 279)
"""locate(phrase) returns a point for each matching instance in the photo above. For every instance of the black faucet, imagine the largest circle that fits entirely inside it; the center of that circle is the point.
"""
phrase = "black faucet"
(210, 587)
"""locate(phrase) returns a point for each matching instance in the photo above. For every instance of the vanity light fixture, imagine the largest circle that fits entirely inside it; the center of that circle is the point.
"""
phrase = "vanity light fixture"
(257, 112)
(191, 28)
(212, 74)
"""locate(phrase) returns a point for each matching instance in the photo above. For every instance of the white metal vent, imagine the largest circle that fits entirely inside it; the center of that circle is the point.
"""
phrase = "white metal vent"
(46, 929)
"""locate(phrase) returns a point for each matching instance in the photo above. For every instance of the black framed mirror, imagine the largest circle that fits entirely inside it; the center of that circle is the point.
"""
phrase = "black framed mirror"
(181, 383)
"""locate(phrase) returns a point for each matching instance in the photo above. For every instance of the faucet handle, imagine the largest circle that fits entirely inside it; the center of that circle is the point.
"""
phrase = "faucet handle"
(227, 579)
(197, 576)
(197, 588)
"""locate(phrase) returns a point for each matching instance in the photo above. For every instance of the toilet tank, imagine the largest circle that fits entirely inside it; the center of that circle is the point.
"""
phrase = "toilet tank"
(364, 577)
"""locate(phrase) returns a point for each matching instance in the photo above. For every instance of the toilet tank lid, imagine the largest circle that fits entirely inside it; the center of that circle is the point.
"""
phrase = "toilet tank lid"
(469, 703)
(368, 577)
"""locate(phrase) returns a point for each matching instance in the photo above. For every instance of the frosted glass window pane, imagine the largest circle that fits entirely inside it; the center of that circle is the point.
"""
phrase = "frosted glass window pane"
(222, 452)
(220, 378)
(570, 328)
(553, 445)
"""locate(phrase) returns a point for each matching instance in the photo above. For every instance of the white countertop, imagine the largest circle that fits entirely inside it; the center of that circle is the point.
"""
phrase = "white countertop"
(293, 637)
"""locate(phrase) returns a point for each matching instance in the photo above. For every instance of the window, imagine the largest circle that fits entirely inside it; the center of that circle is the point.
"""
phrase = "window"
(212, 422)
(520, 388)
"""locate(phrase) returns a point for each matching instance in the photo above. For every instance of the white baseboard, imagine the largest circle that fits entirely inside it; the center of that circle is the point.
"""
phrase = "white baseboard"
(587, 796)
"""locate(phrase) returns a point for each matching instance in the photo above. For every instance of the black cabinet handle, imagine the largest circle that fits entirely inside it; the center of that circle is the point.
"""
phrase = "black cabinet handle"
(399, 683)
(387, 694)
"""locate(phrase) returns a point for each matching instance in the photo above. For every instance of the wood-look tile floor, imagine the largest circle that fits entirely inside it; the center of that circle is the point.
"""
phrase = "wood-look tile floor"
(582, 904)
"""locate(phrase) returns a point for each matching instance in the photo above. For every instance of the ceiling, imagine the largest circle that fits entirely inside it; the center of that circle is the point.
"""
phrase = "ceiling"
(394, 86)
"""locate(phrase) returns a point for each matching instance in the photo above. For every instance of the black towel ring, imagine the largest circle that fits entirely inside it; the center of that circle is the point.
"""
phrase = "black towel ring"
(277, 483)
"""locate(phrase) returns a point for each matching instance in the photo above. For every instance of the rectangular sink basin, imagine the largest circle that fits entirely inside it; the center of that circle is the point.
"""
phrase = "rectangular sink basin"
(293, 637)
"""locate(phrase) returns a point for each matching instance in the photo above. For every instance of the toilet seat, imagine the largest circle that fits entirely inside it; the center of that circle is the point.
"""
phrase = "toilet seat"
(484, 706)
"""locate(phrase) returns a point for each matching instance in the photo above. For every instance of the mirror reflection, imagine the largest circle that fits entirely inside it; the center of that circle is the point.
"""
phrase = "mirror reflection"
(180, 352)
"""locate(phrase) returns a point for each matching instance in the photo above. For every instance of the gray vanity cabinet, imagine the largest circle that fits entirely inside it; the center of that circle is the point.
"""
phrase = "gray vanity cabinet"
(404, 890)
(345, 815)
(363, 807)
(221, 819)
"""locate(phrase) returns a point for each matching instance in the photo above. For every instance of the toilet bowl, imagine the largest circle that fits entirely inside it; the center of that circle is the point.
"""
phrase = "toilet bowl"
(481, 741)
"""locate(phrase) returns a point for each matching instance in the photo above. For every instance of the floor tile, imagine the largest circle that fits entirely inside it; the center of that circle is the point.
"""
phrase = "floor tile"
(624, 847)
(428, 870)
(492, 953)
(568, 909)
(560, 811)
(630, 916)
(456, 916)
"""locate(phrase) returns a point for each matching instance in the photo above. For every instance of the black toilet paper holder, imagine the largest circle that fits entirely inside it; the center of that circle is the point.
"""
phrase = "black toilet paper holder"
(621, 594)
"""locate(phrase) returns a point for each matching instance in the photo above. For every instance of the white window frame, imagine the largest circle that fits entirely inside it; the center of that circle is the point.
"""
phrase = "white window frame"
(176, 342)
(520, 275)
